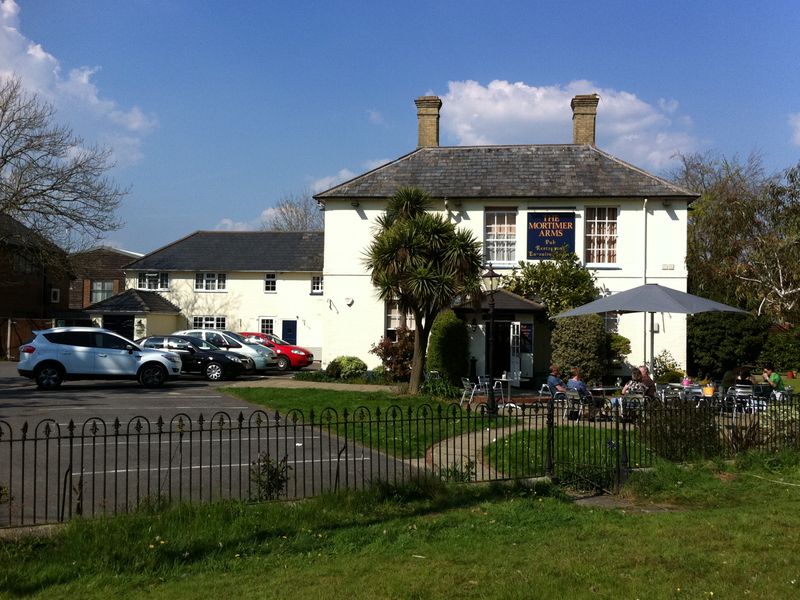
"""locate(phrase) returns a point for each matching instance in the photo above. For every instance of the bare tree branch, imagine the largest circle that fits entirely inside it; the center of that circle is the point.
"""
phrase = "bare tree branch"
(295, 212)
(50, 180)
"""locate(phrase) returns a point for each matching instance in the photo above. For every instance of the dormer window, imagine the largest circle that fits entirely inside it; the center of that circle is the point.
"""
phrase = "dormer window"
(153, 281)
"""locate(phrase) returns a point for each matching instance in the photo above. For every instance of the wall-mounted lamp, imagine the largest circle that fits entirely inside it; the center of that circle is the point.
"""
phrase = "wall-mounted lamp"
(355, 203)
(349, 301)
(473, 325)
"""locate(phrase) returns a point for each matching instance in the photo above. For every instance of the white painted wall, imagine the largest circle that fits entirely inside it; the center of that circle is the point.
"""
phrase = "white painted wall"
(348, 231)
(244, 302)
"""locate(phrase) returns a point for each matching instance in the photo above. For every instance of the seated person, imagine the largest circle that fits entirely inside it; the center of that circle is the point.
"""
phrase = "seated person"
(772, 378)
(636, 385)
(575, 383)
(554, 382)
(647, 381)
(743, 377)
(729, 378)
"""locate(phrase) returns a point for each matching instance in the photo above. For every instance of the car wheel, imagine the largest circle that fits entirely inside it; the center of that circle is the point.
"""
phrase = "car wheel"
(283, 363)
(213, 371)
(49, 377)
(152, 375)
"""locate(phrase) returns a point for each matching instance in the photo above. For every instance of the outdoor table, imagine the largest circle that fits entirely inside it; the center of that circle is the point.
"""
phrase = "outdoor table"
(509, 381)
(604, 390)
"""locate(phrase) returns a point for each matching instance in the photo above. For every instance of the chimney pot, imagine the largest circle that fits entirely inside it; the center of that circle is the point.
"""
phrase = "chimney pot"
(428, 121)
(584, 115)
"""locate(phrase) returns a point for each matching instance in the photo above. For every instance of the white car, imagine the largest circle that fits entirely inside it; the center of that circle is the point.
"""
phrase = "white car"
(62, 353)
(228, 340)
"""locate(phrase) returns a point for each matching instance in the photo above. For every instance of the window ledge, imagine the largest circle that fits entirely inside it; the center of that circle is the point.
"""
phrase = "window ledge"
(211, 291)
(604, 266)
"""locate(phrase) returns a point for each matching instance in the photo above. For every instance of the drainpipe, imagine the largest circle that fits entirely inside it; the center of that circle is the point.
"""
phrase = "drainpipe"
(644, 281)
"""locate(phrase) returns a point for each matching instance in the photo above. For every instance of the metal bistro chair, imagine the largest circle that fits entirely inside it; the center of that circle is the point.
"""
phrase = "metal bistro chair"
(574, 405)
(483, 386)
(469, 390)
(739, 399)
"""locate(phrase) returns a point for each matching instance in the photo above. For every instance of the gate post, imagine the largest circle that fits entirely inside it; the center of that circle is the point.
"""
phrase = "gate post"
(550, 439)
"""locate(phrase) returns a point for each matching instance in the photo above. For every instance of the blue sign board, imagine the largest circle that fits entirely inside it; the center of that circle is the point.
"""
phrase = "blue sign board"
(548, 231)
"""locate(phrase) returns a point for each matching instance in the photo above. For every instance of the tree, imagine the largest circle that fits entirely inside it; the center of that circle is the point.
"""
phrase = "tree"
(581, 342)
(50, 181)
(717, 341)
(421, 261)
(294, 212)
(560, 284)
(448, 347)
(744, 233)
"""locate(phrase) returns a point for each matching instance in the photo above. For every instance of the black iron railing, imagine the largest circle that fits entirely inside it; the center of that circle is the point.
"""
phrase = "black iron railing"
(51, 473)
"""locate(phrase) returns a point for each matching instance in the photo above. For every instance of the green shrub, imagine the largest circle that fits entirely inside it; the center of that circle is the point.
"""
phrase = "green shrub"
(619, 347)
(669, 376)
(581, 342)
(683, 434)
(396, 355)
(664, 363)
(717, 342)
(782, 350)
(448, 347)
(346, 367)
(269, 477)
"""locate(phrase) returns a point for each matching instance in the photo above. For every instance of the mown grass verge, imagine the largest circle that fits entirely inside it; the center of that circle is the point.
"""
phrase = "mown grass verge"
(402, 426)
(733, 532)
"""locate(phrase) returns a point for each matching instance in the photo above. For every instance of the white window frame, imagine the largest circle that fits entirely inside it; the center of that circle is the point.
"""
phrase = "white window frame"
(394, 319)
(317, 285)
(270, 281)
(210, 282)
(601, 236)
(100, 289)
(500, 236)
(267, 325)
(158, 281)
(209, 322)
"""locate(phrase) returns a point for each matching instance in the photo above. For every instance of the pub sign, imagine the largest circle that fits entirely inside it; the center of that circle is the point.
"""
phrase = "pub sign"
(548, 231)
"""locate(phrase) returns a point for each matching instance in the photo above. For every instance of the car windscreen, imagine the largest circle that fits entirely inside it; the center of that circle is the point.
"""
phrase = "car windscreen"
(200, 343)
(279, 341)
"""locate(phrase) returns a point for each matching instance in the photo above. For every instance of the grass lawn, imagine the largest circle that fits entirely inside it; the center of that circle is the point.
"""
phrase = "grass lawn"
(403, 426)
(732, 531)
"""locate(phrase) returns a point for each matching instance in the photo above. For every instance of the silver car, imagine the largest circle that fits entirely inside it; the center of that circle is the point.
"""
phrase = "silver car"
(228, 340)
(61, 353)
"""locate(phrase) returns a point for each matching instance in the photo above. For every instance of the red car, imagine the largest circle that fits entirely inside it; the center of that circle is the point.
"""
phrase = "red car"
(288, 356)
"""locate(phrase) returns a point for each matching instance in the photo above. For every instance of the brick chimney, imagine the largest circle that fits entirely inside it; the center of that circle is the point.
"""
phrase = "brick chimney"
(584, 114)
(428, 121)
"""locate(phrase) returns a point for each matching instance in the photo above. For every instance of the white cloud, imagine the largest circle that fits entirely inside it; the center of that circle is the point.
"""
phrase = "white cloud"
(502, 112)
(231, 225)
(375, 117)
(794, 123)
(324, 183)
(77, 99)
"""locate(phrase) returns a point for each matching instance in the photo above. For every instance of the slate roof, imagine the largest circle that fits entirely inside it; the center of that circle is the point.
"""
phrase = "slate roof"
(271, 251)
(134, 302)
(506, 301)
(530, 171)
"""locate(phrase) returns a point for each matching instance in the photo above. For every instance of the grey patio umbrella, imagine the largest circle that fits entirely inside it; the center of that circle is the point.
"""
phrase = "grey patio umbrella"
(650, 298)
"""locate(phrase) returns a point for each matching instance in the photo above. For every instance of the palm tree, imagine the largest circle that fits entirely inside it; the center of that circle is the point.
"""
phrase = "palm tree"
(422, 262)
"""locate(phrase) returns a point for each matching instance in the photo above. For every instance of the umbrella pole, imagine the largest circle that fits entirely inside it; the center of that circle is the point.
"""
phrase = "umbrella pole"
(652, 341)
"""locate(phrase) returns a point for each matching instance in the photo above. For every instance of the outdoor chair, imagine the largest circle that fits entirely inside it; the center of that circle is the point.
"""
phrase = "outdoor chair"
(574, 405)
(483, 386)
(739, 399)
(469, 390)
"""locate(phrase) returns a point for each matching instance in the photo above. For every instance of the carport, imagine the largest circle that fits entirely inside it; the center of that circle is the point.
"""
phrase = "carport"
(136, 313)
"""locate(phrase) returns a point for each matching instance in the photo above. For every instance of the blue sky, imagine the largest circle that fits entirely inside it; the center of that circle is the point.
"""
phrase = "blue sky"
(217, 110)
